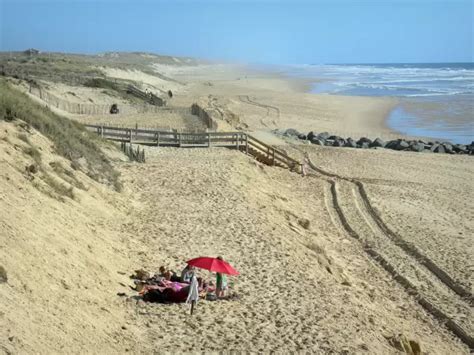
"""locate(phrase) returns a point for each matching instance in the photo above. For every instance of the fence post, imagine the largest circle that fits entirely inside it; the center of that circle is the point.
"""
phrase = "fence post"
(130, 136)
(102, 131)
(246, 143)
(158, 139)
(237, 136)
(273, 157)
(179, 139)
(209, 139)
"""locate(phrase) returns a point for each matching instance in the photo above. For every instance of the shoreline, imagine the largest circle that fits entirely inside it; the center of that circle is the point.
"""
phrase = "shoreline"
(436, 117)
(305, 85)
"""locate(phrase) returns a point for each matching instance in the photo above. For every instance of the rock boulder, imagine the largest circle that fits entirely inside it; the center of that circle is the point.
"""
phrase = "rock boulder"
(318, 142)
(291, 132)
(438, 148)
(311, 135)
(377, 143)
(323, 135)
(402, 145)
(364, 140)
(417, 147)
(351, 143)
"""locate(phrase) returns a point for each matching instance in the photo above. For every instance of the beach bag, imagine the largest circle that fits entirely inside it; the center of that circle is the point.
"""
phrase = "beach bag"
(211, 297)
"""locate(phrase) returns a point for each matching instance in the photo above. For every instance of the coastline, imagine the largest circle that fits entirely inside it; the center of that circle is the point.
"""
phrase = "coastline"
(268, 99)
(435, 104)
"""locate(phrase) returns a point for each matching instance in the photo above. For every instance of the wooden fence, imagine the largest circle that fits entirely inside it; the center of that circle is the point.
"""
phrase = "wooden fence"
(93, 109)
(150, 98)
(238, 140)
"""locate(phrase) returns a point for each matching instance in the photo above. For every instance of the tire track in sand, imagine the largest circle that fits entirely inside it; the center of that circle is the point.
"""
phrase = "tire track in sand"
(433, 288)
(247, 100)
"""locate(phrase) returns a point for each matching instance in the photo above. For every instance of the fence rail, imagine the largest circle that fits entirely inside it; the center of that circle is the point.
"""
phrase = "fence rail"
(238, 140)
(95, 109)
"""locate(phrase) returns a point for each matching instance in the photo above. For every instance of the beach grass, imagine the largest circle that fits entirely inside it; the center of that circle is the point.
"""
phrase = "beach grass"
(70, 138)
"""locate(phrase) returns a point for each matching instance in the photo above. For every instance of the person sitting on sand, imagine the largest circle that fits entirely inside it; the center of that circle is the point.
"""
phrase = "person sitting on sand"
(221, 282)
(168, 274)
(165, 273)
(187, 274)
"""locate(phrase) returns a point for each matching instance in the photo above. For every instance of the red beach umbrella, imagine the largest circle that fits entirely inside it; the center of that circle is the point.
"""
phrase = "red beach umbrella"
(213, 264)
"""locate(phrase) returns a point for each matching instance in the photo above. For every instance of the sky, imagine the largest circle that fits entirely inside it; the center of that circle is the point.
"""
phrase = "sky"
(265, 31)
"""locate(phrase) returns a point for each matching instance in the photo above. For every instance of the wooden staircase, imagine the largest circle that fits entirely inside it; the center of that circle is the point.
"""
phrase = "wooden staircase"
(241, 141)
(262, 157)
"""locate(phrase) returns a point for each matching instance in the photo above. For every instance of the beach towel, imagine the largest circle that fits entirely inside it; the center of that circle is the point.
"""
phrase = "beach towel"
(193, 294)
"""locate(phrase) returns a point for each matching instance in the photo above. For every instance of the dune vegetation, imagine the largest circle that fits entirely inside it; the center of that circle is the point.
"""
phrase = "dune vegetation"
(70, 138)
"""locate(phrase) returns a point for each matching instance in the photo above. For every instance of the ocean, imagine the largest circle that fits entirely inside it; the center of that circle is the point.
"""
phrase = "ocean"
(436, 99)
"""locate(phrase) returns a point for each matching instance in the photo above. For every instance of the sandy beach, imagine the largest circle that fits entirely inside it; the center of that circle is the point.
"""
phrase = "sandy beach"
(305, 285)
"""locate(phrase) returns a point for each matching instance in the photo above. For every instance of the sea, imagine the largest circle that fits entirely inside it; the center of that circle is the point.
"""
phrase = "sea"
(436, 99)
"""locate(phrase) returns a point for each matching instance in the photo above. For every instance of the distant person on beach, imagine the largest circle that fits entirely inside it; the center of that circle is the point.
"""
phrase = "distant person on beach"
(221, 282)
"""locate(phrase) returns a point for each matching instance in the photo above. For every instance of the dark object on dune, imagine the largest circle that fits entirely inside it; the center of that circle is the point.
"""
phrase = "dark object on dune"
(32, 169)
(377, 143)
(114, 109)
(170, 94)
(9, 115)
(302, 136)
(291, 132)
(350, 143)
(3, 275)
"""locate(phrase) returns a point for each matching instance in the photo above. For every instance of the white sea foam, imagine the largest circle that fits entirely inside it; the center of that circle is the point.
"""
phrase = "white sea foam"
(394, 80)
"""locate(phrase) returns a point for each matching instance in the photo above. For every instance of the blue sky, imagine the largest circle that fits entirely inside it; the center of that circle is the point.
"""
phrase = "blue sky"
(266, 31)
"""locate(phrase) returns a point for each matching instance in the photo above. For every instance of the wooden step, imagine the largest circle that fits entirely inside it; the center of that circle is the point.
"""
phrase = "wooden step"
(262, 157)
